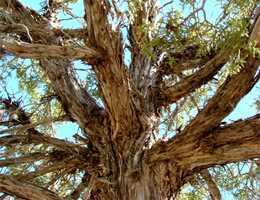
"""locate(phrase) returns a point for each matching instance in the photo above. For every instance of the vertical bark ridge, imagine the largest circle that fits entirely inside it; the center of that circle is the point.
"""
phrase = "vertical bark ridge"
(111, 72)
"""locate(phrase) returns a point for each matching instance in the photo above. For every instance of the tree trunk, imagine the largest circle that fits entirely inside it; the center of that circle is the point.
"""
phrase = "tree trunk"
(119, 153)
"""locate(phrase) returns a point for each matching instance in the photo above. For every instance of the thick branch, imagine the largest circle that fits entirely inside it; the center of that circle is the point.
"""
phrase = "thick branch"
(232, 143)
(11, 186)
(25, 159)
(184, 60)
(74, 99)
(112, 74)
(202, 76)
(42, 139)
(141, 67)
(24, 13)
(98, 27)
(219, 106)
(38, 51)
(69, 165)
(226, 99)
(194, 81)
(40, 32)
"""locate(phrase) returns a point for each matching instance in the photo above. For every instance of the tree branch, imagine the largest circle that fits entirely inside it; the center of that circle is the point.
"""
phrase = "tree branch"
(111, 72)
(12, 186)
(232, 143)
(74, 99)
(69, 165)
(24, 13)
(40, 32)
(26, 159)
(218, 107)
(213, 143)
(213, 189)
(202, 76)
(184, 60)
(33, 125)
(145, 13)
(99, 29)
(80, 188)
(42, 139)
(194, 81)
(38, 51)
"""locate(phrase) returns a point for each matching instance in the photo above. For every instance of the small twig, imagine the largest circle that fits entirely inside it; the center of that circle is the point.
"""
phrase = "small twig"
(166, 4)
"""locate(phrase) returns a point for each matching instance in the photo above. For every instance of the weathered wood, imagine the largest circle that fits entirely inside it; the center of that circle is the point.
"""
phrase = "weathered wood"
(119, 152)
(10, 185)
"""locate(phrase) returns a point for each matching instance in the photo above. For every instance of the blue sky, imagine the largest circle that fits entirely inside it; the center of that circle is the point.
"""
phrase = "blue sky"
(67, 130)
(243, 110)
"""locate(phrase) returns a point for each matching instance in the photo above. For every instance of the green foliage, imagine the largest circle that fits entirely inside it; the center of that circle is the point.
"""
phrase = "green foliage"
(239, 180)
(241, 176)
(227, 32)
(176, 31)
(193, 193)
(133, 6)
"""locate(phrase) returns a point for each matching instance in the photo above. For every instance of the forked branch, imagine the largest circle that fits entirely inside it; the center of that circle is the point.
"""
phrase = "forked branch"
(194, 81)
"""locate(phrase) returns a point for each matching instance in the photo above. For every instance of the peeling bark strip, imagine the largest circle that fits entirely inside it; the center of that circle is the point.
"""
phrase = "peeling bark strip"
(119, 152)
(10, 185)
(111, 72)
(41, 139)
(38, 51)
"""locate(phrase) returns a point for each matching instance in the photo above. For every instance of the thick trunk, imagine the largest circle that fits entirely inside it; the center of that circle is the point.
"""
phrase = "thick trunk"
(141, 175)
(145, 182)
(120, 156)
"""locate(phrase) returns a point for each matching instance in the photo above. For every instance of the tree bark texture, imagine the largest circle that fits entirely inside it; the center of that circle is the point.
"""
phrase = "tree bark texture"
(120, 155)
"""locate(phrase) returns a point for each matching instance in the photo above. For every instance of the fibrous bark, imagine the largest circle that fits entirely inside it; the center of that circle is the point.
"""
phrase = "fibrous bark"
(119, 153)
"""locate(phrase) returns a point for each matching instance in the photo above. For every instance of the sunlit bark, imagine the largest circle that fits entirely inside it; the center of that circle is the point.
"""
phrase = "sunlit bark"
(119, 154)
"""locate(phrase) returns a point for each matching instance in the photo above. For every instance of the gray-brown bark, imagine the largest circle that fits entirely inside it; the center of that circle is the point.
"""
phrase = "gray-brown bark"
(120, 156)
(10, 185)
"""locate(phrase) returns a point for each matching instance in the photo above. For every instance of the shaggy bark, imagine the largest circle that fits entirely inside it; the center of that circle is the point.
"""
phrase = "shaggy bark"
(38, 51)
(9, 185)
(119, 153)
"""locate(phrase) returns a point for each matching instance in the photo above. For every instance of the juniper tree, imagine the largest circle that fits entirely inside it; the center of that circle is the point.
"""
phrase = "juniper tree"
(159, 79)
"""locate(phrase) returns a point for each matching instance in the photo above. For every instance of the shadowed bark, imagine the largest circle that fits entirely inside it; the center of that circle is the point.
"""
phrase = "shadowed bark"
(10, 185)
(119, 155)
